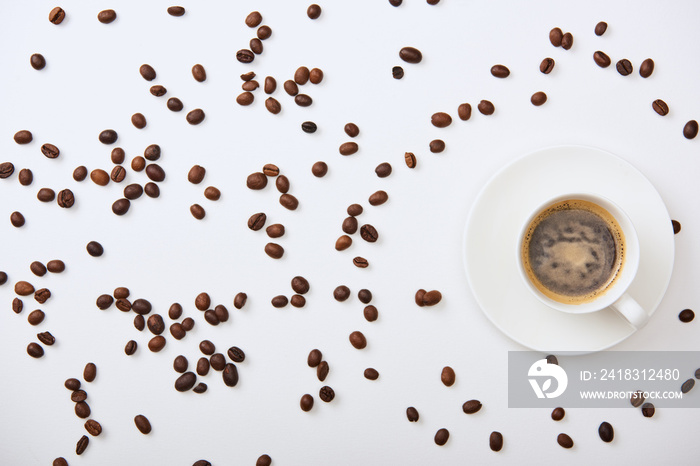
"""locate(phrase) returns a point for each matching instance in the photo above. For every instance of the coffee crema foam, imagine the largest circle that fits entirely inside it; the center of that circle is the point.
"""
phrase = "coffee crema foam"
(573, 251)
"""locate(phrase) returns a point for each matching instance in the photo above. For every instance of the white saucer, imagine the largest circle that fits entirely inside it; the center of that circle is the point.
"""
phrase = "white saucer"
(500, 211)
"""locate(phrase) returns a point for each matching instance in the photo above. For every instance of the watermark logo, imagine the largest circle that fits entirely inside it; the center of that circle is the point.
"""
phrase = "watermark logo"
(542, 370)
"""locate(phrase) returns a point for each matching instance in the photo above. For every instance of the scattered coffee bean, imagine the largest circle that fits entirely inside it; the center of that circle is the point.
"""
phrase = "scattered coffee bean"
(236, 354)
(600, 28)
(297, 300)
(99, 177)
(282, 184)
(646, 68)
(152, 152)
(369, 233)
(155, 172)
(558, 414)
(42, 295)
(686, 315)
(447, 376)
(108, 136)
(352, 130)
(202, 301)
(358, 340)
(567, 41)
(270, 85)
(319, 169)
(378, 198)
(203, 366)
(121, 206)
(35, 350)
(174, 104)
(230, 375)
(198, 73)
(248, 76)
(687, 385)
(147, 72)
(94, 248)
(547, 65)
(78, 396)
(124, 305)
(302, 75)
(138, 163)
(690, 130)
(306, 402)
(383, 170)
(322, 371)
(420, 294)
(697, 373)
(313, 11)
(538, 98)
(624, 67)
(185, 382)
(371, 314)
(349, 225)
(279, 301)
(155, 324)
(93, 427)
(130, 347)
(437, 146)
(441, 437)
(551, 359)
(118, 174)
(273, 106)
(471, 406)
(601, 59)
(303, 100)
(142, 424)
(315, 76)
(486, 107)
(133, 191)
(315, 357)
(300, 285)
(3, 278)
(250, 86)
(371, 374)
(239, 300)
(348, 148)
(253, 19)
(139, 321)
(271, 170)
(212, 193)
(648, 410)
(176, 11)
(177, 330)
(197, 211)
(364, 295)
(500, 71)
(605, 430)
(555, 37)
(23, 137)
(217, 361)
(660, 107)
(106, 16)
(37, 268)
(17, 305)
(360, 262)
(24, 288)
(82, 445)
(121, 292)
(341, 293)
(354, 210)
(72, 384)
(46, 338)
(289, 202)
(57, 15)
(343, 243)
(257, 221)
(256, 46)
(50, 151)
(158, 90)
(46, 195)
(36, 317)
(326, 394)
(412, 414)
(565, 441)
(309, 126)
(138, 120)
(38, 62)
(6, 170)
(496, 441)
(25, 177)
(291, 88)
(441, 120)
(397, 72)
(82, 410)
(195, 117)
(410, 55)
(431, 298)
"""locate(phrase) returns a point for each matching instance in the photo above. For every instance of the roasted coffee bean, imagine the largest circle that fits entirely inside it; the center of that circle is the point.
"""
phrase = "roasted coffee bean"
(158, 90)
(245, 56)
(265, 460)
(431, 298)
(38, 62)
(78, 396)
(279, 301)
(410, 159)
(72, 384)
(82, 445)
(99, 177)
(319, 169)
(93, 427)
(315, 76)
(567, 41)
(211, 317)
(195, 117)
(646, 68)
(289, 202)
(447, 376)
(313, 11)
(605, 430)
(358, 340)
(180, 364)
(441, 436)
(175, 311)
(309, 126)
(212, 193)
(36, 317)
(42, 295)
(315, 358)
(174, 104)
(197, 211)
(471, 406)
(697, 373)
(141, 306)
(369, 233)
(138, 163)
(6, 170)
(360, 262)
(690, 130)
(239, 300)
(221, 312)
(108, 136)
(364, 295)
(133, 191)
(121, 292)
(383, 170)
(555, 37)
(343, 243)
(558, 414)
(637, 398)
(349, 225)
(306, 402)
(496, 441)
(419, 297)
(121, 206)
(270, 170)
(138, 120)
(257, 221)
(253, 19)
(397, 72)
(282, 184)
(351, 130)
(94, 248)
(348, 148)
(217, 361)
(355, 210)
(130, 347)
(302, 75)
(538, 98)
(139, 321)
(248, 76)
(177, 331)
(198, 73)
(155, 324)
(3, 278)
(270, 85)
(687, 385)
(341, 293)
(230, 375)
(412, 414)
(437, 146)
(500, 71)
(57, 15)
(300, 285)
(291, 88)
(106, 17)
(24, 288)
(297, 300)
(326, 394)
(124, 305)
(322, 371)
(203, 366)
(410, 55)
(142, 424)
(37, 268)
(35, 350)
(147, 72)
(156, 343)
(624, 67)
(686, 315)
(486, 107)
(176, 11)
(547, 65)
(601, 59)
(23, 137)
(201, 463)
(565, 441)
(46, 195)
(371, 374)
(82, 410)
(155, 172)
(371, 314)
(17, 219)
(303, 100)
(207, 347)
(152, 152)
(202, 301)
(46, 338)
(600, 28)
(264, 32)
(256, 46)
(660, 107)
(551, 359)
(118, 174)
(185, 382)
(272, 105)
(378, 198)
(50, 151)
(441, 120)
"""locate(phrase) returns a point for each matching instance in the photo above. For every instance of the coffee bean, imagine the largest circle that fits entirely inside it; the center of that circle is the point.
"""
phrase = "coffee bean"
(221, 312)
(118, 174)
(397, 72)
(302, 75)
(637, 398)
(306, 402)
(248, 76)
(686, 315)
(185, 382)
(264, 32)
(352, 130)
(82, 445)
(431, 298)
(124, 305)
(212, 193)
(195, 117)
(315, 76)
(139, 321)
(35, 350)
(412, 414)
(106, 17)
(38, 62)
(174, 104)
(565, 441)
(176, 11)
(178, 331)
(245, 56)
(6, 170)
(690, 130)
(108, 136)
(265, 460)
(121, 206)
(158, 90)
(256, 46)
(441, 120)
(253, 19)
(343, 243)
(141, 306)
(46, 338)
(371, 314)
(57, 15)
(354, 210)
(130, 347)
(270, 85)
(36, 317)
(349, 225)
(555, 37)
(282, 184)
(99, 177)
(315, 357)
(230, 375)
(279, 301)
(42, 295)
(180, 364)
(383, 170)
(313, 11)
(486, 107)
(496, 441)
(447, 376)
(72, 384)
(309, 127)
(441, 437)
(697, 373)
(291, 88)
(378, 198)
(558, 414)
(133, 191)
(605, 430)
(272, 105)
(369, 233)
(17, 305)
(322, 371)
(94, 248)
(300, 285)
(358, 340)
(687, 385)
(257, 221)
(500, 71)
(600, 28)
(303, 100)
(50, 151)
(538, 98)
(660, 107)
(341, 293)
(601, 59)
(198, 73)
(326, 394)
(551, 359)
(419, 297)
(319, 169)
(23, 288)
(360, 262)
(348, 148)
(471, 406)
(289, 202)
(239, 300)
(203, 366)
(78, 396)
(646, 68)
(142, 424)
(37, 268)
(82, 410)
(121, 292)
(200, 388)
(271, 170)
(138, 163)
(437, 146)
(624, 67)
(46, 195)
(152, 152)
(567, 41)
(156, 343)
(138, 120)
(297, 300)
(23, 137)
(151, 190)
(3, 278)
(155, 324)
(202, 301)
(211, 317)
(155, 172)
(371, 374)
(93, 427)
(197, 211)
(147, 72)
(410, 55)
(547, 65)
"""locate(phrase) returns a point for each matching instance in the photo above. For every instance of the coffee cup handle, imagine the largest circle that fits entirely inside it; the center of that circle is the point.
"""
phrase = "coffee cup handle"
(631, 310)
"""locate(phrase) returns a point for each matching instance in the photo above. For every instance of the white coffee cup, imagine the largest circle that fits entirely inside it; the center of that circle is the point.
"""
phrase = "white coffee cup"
(615, 294)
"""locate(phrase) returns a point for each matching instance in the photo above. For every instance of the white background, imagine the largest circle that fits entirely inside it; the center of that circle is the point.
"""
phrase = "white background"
(158, 250)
